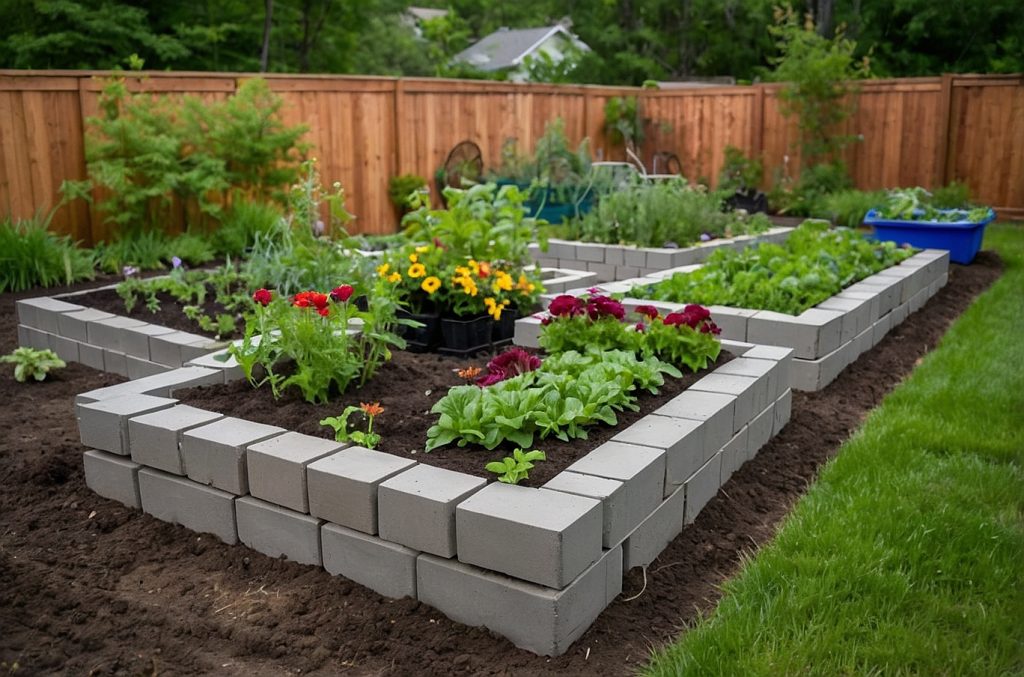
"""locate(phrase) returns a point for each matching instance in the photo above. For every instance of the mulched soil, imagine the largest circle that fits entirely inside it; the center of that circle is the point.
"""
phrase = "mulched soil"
(91, 587)
(407, 387)
(168, 315)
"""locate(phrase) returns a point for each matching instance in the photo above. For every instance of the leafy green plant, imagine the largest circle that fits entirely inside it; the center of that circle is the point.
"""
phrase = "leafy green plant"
(814, 264)
(623, 121)
(809, 195)
(515, 468)
(33, 256)
(848, 207)
(740, 173)
(32, 363)
(400, 187)
(366, 438)
(242, 224)
(916, 204)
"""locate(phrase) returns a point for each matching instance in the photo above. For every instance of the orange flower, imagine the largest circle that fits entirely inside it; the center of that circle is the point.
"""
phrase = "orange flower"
(371, 408)
(469, 373)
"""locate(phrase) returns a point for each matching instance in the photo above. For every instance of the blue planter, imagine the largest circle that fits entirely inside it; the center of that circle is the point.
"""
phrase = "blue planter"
(546, 203)
(961, 238)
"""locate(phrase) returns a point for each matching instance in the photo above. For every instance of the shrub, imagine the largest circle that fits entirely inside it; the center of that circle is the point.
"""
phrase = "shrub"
(32, 256)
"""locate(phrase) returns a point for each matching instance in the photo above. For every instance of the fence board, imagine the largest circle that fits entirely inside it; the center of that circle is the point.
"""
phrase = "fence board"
(363, 130)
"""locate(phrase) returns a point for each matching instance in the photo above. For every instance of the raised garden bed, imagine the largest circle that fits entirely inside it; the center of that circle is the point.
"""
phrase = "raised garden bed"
(826, 338)
(623, 262)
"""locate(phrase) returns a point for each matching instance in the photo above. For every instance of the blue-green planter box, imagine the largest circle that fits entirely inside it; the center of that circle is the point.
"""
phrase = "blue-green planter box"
(961, 238)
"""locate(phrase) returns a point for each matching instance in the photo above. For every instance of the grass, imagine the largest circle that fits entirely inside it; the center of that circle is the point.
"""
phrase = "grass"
(31, 255)
(907, 555)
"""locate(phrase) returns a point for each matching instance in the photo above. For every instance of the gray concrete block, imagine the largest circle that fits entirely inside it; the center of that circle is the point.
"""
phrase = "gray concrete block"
(887, 292)
(813, 375)
(41, 313)
(589, 252)
(277, 531)
(175, 349)
(661, 259)
(547, 263)
(765, 371)
(615, 255)
(625, 272)
(194, 506)
(717, 412)
(605, 272)
(702, 486)
(918, 300)
(642, 471)
(635, 258)
(23, 335)
(527, 332)
(115, 363)
(899, 313)
(214, 453)
(160, 385)
(537, 535)
(734, 454)
(135, 340)
(154, 439)
(856, 315)
(811, 334)
(104, 425)
(681, 439)
(386, 568)
(343, 486)
(616, 514)
(561, 249)
(112, 477)
(106, 332)
(868, 297)
(75, 325)
(532, 617)
(139, 368)
(760, 430)
(652, 535)
(782, 412)
(277, 467)
(732, 321)
(228, 367)
(750, 393)
(417, 507)
(881, 328)
(783, 358)
(90, 356)
(33, 338)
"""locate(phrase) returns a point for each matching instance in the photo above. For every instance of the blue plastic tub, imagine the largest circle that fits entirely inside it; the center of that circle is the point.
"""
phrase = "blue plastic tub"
(961, 238)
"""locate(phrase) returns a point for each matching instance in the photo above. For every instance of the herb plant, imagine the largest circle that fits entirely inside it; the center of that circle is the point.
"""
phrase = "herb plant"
(367, 438)
(813, 265)
(515, 468)
(31, 363)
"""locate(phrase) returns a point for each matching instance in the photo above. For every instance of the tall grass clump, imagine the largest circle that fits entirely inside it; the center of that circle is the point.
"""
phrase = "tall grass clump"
(33, 256)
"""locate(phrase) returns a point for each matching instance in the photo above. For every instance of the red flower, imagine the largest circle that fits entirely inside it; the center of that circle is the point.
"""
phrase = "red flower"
(342, 293)
(262, 296)
(601, 306)
(512, 362)
(566, 306)
(694, 317)
(311, 299)
(324, 312)
(649, 311)
(641, 327)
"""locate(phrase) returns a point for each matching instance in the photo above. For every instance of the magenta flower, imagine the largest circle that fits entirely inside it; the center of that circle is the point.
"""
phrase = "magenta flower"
(649, 311)
(566, 306)
(601, 306)
(512, 362)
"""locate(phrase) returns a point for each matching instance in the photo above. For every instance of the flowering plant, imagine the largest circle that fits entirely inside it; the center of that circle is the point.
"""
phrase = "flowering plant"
(368, 439)
(687, 337)
(328, 342)
(511, 363)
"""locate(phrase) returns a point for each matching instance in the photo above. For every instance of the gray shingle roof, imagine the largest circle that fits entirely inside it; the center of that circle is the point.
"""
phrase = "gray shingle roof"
(503, 48)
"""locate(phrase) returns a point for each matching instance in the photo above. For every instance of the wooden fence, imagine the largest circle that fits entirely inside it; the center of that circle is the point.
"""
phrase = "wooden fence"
(920, 131)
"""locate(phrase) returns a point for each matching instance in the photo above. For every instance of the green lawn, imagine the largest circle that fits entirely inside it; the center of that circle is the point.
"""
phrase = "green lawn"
(907, 555)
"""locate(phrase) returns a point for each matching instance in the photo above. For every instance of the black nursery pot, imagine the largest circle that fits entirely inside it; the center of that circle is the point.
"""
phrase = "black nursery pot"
(505, 328)
(420, 339)
(463, 336)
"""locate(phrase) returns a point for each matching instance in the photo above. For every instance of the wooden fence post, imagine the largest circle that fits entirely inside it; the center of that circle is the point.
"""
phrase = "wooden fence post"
(943, 149)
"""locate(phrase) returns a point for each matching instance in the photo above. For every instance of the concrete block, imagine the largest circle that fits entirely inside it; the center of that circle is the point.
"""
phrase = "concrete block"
(561, 249)
(652, 535)
(660, 259)
(106, 332)
(532, 617)
(75, 325)
(67, 349)
(177, 348)
(527, 332)
(112, 477)
(417, 507)
(139, 368)
(751, 394)
(887, 292)
(918, 300)
(702, 486)
(41, 313)
(537, 535)
(782, 412)
(214, 453)
(277, 531)
(642, 472)
(33, 338)
(386, 568)
(115, 363)
(891, 284)
(717, 412)
(614, 255)
(881, 328)
(899, 313)
(732, 321)
(180, 501)
(783, 358)
(343, 486)
(104, 425)
(811, 334)
(856, 315)
(228, 367)
(760, 430)
(635, 258)
(90, 356)
(765, 372)
(589, 252)
(135, 340)
(160, 385)
(681, 439)
(23, 335)
(626, 272)
(605, 272)
(277, 467)
(813, 375)
(734, 454)
(868, 297)
(616, 518)
(154, 439)
(863, 342)
(547, 263)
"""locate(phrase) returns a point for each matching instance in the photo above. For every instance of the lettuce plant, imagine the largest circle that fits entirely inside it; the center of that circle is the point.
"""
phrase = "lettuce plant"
(515, 468)
(32, 363)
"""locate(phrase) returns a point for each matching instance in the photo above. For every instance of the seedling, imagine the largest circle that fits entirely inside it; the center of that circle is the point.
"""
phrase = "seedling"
(368, 439)
(514, 469)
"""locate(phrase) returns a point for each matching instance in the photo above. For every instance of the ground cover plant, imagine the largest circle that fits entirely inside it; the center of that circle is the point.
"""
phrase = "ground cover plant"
(815, 263)
(904, 557)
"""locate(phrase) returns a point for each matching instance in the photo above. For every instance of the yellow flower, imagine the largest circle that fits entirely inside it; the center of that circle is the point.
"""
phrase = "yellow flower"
(525, 285)
(430, 285)
(383, 269)
(394, 277)
(416, 270)
(502, 282)
(413, 258)
(475, 266)
(468, 286)
(494, 308)
(462, 271)
(422, 250)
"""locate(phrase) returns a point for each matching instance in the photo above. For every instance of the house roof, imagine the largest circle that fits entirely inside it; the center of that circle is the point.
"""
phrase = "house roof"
(507, 47)
(426, 13)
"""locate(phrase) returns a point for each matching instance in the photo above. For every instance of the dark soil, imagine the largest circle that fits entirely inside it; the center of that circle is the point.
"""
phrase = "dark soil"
(91, 587)
(407, 387)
